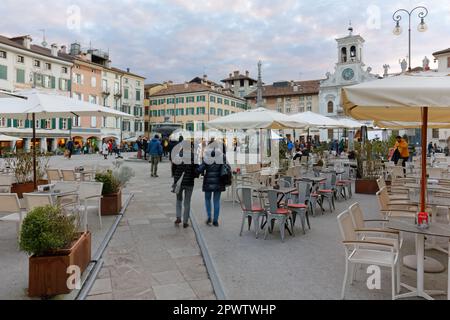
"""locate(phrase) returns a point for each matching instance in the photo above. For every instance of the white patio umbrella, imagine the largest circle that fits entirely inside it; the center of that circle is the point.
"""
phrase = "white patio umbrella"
(350, 123)
(260, 118)
(316, 120)
(36, 104)
(410, 125)
(414, 97)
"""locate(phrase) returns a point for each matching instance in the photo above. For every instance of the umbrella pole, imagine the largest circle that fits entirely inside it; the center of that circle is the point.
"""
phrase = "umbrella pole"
(424, 159)
(34, 152)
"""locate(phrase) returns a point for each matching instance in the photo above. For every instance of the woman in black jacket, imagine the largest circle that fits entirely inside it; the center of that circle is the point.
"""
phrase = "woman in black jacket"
(187, 185)
(212, 185)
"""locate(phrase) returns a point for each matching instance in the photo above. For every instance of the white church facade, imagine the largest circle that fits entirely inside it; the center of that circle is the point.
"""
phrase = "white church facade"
(349, 70)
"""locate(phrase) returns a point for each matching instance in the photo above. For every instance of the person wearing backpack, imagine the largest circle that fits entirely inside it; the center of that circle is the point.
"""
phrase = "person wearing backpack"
(188, 173)
(213, 184)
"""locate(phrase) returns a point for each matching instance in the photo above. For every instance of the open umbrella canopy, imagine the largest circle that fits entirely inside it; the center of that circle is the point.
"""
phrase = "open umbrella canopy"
(8, 138)
(48, 105)
(350, 123)
(398, 125)
(260, 118)
(400, 98)
(315, 120)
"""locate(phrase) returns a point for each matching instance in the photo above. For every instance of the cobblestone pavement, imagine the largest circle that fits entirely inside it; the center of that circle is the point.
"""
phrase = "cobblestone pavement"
(148, 257)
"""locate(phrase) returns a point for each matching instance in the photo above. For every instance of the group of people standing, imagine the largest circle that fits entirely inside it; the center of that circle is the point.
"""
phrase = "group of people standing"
(109, 147)
(190, 169)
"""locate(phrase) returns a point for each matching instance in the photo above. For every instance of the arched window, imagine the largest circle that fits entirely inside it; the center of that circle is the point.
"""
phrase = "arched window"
(344, 54)
(353, 53)
(330, 107)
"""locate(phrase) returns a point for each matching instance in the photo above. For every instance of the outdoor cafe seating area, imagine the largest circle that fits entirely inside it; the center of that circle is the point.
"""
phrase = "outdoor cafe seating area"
(74, 190)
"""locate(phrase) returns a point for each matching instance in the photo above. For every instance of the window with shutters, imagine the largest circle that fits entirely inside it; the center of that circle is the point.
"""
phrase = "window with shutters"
(3, 72)
(3, 122)
(48, 123)
(227, 112)
(435, 134)
(76, 121)
(48, 66)
(63, 124)
(309, 106)
(38, 124)
(78, 78)
(138, 95)
(20, 59)
(93, 122)
(37, 63)
(330, 133)
(20, 77)
(125, 93)
(3, 54)
(64, 70)
(93, 99)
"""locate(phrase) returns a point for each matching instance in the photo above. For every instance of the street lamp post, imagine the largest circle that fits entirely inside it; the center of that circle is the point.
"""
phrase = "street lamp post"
(422, 27)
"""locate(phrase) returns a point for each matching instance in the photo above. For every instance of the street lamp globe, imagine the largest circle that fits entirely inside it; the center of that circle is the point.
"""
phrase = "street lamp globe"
(423, 27)
(397, 30)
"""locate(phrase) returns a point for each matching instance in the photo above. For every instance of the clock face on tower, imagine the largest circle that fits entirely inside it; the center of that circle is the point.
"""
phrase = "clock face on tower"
(348, 74)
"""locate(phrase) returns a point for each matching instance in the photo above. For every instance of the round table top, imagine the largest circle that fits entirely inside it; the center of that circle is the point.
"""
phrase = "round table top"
(408, 225)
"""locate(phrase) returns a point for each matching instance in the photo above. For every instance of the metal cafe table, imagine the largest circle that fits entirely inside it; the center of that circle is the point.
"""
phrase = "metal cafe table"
(435, 230)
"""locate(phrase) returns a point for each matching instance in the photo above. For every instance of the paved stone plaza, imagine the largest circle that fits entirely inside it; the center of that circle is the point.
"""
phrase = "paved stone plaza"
(149, 258)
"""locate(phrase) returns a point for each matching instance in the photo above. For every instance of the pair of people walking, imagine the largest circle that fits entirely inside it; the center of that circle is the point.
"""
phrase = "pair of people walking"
(213, 185)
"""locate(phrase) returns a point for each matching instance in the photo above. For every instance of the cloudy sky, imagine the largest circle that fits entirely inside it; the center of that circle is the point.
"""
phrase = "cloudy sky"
(180, 39)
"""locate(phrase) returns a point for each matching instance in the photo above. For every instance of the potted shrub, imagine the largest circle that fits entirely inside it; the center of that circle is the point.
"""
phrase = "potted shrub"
(51, 239)
(369, 158)
(22, 165)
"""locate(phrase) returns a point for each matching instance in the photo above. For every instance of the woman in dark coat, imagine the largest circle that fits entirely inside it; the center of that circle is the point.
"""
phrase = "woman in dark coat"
(212, 186)
(189, 168)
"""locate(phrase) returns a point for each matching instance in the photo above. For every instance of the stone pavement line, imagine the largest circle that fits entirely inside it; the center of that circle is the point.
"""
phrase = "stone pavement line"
(148, 257)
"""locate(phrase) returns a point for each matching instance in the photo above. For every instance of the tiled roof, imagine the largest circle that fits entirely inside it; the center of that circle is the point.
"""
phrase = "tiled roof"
(34, 48)
(126, 72)
(152, 85)
(441, 52)
(190, 88)
(304, 88)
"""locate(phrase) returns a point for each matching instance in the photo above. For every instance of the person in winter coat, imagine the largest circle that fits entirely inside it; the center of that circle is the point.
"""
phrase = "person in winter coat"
(189, 168)
(211, 168)
(155, 151)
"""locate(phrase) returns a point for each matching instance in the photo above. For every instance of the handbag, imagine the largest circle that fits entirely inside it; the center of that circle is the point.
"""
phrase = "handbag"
(176, 187)
(226, 175)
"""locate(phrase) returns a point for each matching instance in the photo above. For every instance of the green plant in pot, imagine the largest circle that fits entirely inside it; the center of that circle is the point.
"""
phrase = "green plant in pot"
(51, 239)
(111, 202)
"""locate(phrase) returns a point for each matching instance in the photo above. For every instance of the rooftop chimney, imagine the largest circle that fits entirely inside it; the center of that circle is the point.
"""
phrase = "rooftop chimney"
(236, 73)
(27, 42)
(128, 70)
(54, 50)
(230, 75)
(63, 49)
(247, 73)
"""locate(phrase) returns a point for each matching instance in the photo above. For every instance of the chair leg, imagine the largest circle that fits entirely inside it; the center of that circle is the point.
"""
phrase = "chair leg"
(267, 228)
(242, 224)
(345, 280)
(393, 282)
(249, 218)
(303, 221)
(307, 219)
(353, 273)
(256, 225)
(398, 277)
(292, 226)
(282, 225)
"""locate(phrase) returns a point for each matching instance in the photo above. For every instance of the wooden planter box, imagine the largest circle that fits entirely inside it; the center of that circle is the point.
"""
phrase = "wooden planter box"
(48, 274)
(366, 186)
(111, 204)
(21, 188)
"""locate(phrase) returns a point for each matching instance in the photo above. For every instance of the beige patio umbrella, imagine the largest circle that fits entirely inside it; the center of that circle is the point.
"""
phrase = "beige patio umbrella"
(4, 137)
(414, 97)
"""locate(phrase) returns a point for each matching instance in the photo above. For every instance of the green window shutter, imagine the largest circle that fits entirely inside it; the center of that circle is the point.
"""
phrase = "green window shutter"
(8, 123)
(60, 123)
(69, 124)
(20, 76)
(53, 82)
(69, 85)
(43, 124)
(15, 123)
(43, 81)
(27, 123)
(60, 83)
(125, 94)
(3, 72)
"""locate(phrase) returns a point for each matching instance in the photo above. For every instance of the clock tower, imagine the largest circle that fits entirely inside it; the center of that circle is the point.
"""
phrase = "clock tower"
(349, 70)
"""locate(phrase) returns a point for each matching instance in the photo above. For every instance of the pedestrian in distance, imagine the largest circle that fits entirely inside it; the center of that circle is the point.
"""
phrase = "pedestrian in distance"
(105, 149)
(155, 151)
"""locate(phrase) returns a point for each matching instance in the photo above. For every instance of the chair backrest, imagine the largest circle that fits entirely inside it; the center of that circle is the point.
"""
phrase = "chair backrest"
(66, 186)
(245, 197)
(383, 198)
(304, 190)
(68, 175)
(37, 200)
(381, 183)
(6, 182)
(90, 189)
(285, 182)
(435, 173)
(53, 175)
(346, 226)
(397, 172)
(330, 183)
(357, 215)
(9, 203)
(272, 197)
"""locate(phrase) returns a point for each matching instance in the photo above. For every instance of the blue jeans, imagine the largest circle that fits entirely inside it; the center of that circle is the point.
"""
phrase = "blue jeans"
(216, 201)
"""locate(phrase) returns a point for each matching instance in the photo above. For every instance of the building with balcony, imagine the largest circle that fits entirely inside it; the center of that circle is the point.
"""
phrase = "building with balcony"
(191, 104)
(24, 65)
